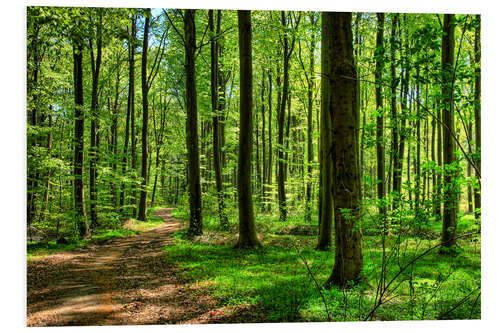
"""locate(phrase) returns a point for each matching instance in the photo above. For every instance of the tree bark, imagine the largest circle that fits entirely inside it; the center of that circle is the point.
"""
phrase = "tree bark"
(214, 71)
(450, 190)
(379, 67)
(247, 233)
(325, 148)
(195, 218)
(346, 184)
(477, 115)
(144, 165)
(80, 213)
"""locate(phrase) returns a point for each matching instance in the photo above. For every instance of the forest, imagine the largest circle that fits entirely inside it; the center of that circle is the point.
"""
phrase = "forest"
(233, 166)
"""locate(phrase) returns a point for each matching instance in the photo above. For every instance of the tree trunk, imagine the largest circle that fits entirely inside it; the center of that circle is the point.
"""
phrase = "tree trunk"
(195, 218)
(310, 151)
(394, 110)
(130, 109)
(131, 92)
(144, 165)
(346, 184)
(450, 190)
(214, 71)
(247, 233)
(281, 125)
(477, 116)
(80, 213)
(325, 148)
(379, 65)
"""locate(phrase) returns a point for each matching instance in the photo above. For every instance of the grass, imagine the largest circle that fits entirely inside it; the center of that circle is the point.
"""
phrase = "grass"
(275, 279)
(40, 249)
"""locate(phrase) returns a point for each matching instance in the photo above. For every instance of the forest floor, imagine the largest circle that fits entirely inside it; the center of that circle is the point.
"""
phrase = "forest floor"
(123, 281)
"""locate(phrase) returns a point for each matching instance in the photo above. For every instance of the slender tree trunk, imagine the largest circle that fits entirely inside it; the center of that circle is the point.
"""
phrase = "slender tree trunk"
(195, 219)
(270, 135)
(417, 162)
(247, 233)
(130, 109)
(80, 213)
(310, 151)
(450, 190)
(144, 165)
(346, 185)
(263, 115)
(379, 67)
(214, 71)
(281, 125)
(131, 91)
(394, 110)
(477, 116)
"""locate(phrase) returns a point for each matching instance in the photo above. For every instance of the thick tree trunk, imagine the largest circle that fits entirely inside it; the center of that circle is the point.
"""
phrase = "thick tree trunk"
(195, 218)
(450, 190)
(144, 165)
(247, 233)
(80, 213)
(346, 185)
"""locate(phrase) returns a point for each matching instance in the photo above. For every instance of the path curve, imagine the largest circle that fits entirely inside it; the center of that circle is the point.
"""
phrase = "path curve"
(125, 281)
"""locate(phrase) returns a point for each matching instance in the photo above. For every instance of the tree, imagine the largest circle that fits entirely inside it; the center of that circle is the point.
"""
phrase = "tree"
(379, 67)
(144, 166)
(130, 120)
(477, 114)
(195, 217)
(325, 162)
(214, 89)
(346, 183)
(247, 233)
(449, 165)
(95, 67)
(80, 212)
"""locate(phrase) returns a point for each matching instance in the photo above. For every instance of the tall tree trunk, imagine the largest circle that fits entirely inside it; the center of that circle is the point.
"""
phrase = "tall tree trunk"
(270, 135)
(417, 162)
(450, 190)
(398, 165)
(214, 71)
(130, 108)
(310, 150)
(477, 116)
(96, 65)
(346, 185)
(80, 213)
(325, 146)
(133, 149)
(195, 218)
(281, 125)
(379, 67)
(263, 116)
(247, 233)
(144, 165)
(394, 110)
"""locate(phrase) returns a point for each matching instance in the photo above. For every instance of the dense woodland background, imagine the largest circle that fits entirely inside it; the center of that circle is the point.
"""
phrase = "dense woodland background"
(303, 134)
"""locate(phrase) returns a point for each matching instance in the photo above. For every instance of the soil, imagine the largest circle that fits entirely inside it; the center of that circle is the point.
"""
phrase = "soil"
(125, 281)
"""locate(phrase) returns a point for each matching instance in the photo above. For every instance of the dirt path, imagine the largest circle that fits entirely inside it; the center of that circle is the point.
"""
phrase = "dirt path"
(125, 281)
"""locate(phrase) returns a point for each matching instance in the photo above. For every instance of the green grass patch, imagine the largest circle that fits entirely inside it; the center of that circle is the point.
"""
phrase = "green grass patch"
(275, 278)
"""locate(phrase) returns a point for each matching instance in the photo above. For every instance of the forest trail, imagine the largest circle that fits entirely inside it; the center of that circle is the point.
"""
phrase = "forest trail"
(125, 281)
